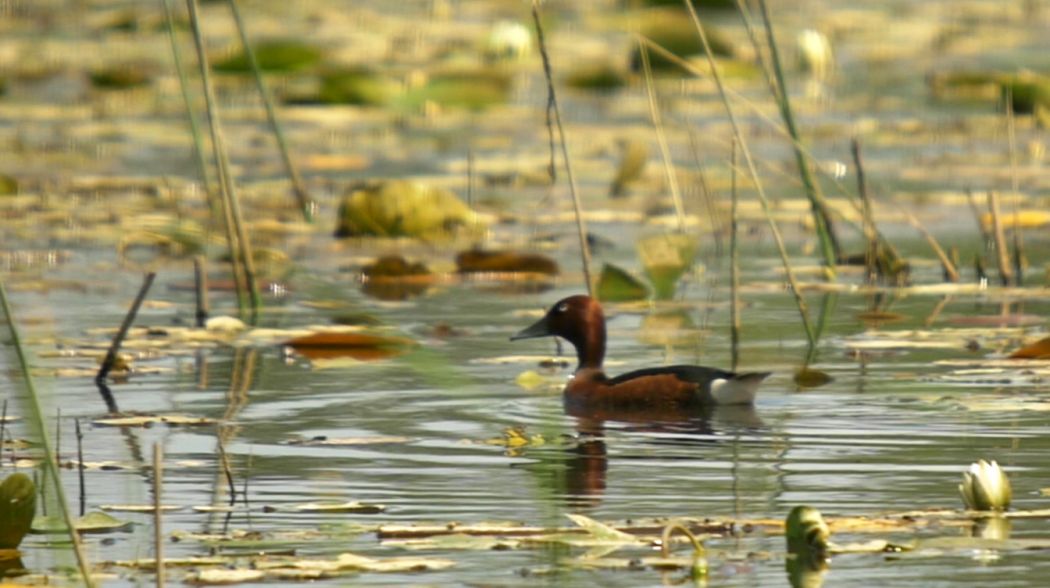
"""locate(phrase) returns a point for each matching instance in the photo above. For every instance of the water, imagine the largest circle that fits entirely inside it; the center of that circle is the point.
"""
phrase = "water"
(890, 433)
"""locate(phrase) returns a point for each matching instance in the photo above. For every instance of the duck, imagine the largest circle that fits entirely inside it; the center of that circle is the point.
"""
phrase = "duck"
(659, 390)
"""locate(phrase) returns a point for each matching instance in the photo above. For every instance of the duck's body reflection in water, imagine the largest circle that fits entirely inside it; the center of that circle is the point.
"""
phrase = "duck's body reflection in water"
(687, 400)
(587, 462)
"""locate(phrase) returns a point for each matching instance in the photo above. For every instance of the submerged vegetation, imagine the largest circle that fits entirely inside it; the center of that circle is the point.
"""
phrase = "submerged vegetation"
(860, 213)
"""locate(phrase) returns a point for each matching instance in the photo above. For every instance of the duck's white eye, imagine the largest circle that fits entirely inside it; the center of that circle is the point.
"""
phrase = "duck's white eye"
(562, 307)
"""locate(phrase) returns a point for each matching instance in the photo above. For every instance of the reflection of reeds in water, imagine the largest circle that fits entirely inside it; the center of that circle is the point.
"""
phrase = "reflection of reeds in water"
(35, 421)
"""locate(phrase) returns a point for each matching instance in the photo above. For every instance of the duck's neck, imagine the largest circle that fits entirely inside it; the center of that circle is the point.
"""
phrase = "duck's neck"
(590, 347)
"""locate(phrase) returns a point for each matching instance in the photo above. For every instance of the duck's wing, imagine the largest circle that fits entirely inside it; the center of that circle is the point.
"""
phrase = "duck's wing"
(714, 386)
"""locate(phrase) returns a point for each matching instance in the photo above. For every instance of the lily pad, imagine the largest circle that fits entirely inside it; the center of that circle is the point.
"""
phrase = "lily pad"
(484, 261)
(92, 522)
(329, 507)
(281, 55)
(616, 285)
(665, 258)
(634, 155)
(403, 208)
(17, 507)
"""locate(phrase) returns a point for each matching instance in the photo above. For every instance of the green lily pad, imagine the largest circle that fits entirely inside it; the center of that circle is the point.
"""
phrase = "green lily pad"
(17, 506)
(357, 86)
(284, 55)
(469, 89)
(92, 522)
(616, 285)
(673, 30)
(403, 208)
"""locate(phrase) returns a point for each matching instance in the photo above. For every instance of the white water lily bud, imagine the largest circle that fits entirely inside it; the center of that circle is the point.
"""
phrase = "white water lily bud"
(985, 487)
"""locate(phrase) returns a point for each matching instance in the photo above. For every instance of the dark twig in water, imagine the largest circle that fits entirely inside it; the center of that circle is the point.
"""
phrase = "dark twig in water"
(305, 203)
(80, 466)
(114, 347)
(200, 286)
(227, 471)
(552, 105)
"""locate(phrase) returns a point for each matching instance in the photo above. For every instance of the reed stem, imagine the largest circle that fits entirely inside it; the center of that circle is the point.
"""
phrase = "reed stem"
(829, 245)
(1006, 273)
(236, 236)
(734, 263)
(303, 197)
(871, 238)
(661, 137)
(158, 512)
(777, 238)
(552, 106)
(950, 271)
(80, 466)
(195, 130)
(36, 414)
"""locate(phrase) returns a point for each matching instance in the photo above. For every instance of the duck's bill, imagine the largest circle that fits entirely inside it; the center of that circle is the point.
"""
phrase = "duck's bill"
(538, 329)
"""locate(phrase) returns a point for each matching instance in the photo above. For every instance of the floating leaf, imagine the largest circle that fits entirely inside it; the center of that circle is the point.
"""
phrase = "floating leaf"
(346, 441)
(456, 541)
(482, 261)
(92, 522)
(358, 346)
(602, 76)
(329, 507)
(145, 420)
(282, 55)
(215, 577)
(601, 531)
(17, 507)
(403, 208)
(634, 155)
(811, 378)
(616, 285)
(471, 89)
(1038, 350)
(358, 86)
(665, 258)
(138, 508)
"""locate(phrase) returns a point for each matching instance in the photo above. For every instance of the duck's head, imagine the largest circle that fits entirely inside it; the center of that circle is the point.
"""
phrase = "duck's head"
(580, 321)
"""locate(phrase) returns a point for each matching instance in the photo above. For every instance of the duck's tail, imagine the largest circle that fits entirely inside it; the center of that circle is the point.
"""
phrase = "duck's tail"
(737, 389)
